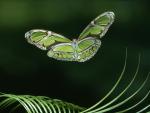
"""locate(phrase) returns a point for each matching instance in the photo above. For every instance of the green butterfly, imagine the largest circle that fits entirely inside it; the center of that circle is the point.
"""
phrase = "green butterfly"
(81, 49)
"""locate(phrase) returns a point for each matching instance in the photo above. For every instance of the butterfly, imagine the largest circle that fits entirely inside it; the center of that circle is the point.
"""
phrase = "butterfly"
(81, 49)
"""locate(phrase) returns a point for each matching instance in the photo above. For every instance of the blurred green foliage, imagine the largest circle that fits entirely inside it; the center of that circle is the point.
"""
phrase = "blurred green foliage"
(26, 69)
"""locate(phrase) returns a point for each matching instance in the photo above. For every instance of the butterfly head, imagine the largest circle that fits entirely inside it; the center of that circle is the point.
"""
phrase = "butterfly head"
(49, 33)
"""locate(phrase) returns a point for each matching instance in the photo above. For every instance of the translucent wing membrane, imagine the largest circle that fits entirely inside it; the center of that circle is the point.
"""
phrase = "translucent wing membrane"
(87, 48)
(63, 51)
(44, 39)
(99, 26)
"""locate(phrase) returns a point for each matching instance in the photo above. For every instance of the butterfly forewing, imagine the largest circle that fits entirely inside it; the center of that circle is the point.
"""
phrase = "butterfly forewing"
(44, 39)
(99, 26)
(34, 36)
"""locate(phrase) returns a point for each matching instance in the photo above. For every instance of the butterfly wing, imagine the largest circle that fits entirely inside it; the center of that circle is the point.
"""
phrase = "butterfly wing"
(99, 26)
(44, 39)
(87, 48)
(89, 39)
(63, 51)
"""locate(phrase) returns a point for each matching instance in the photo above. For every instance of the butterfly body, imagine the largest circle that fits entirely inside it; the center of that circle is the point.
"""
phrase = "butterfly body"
(81, 49)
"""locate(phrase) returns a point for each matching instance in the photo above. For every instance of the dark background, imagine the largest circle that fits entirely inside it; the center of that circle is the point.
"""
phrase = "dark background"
(24, 69)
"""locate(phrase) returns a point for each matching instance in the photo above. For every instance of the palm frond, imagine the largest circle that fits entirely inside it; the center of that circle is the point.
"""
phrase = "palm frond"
(38, 104)
(42, 104)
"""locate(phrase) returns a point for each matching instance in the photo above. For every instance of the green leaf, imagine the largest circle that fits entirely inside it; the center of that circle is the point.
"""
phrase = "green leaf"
(42, 104)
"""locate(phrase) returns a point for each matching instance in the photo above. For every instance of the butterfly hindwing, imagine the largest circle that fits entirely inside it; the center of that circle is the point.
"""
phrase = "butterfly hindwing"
(63, 51)
(87, 48)
(99, 26)
(44, 39)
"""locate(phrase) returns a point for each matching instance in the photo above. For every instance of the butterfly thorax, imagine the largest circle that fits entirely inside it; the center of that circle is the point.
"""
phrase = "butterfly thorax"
(74, 44)
(75, 47)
